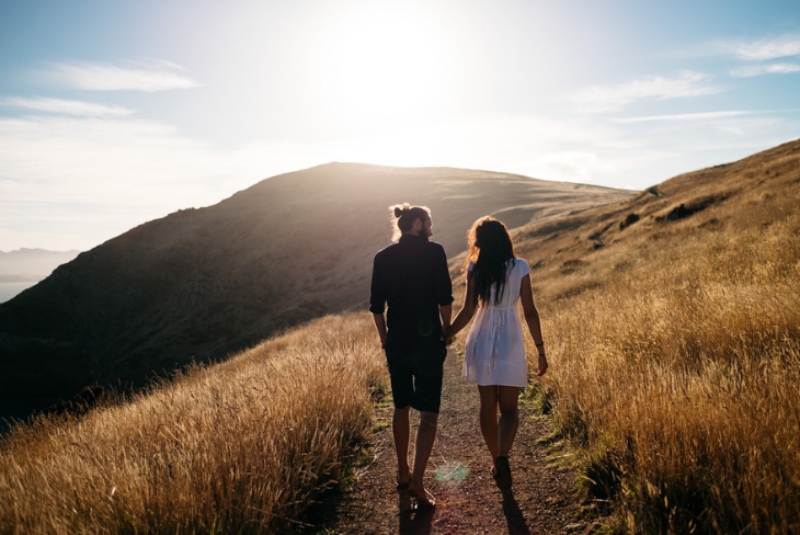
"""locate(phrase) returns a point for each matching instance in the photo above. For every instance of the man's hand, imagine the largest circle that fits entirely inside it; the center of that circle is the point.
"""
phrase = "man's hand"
(448, 338)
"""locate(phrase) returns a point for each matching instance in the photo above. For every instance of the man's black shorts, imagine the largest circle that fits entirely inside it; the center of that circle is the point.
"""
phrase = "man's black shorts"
(417, 377)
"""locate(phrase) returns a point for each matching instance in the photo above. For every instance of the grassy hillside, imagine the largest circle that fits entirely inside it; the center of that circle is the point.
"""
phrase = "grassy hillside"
(674, 342)
(199, 285)
(237, 448)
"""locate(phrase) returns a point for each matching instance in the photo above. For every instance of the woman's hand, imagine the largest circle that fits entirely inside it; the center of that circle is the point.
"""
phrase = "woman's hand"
(542, 365)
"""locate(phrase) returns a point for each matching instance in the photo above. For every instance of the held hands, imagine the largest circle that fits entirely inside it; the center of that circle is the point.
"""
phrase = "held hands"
(449, 337)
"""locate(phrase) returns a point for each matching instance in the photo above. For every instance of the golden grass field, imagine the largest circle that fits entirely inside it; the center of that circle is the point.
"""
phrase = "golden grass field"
(675, 369)
(676, 357)
(236, 448)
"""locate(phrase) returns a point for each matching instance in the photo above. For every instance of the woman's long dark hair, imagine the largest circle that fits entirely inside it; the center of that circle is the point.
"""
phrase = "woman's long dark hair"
(490, 247)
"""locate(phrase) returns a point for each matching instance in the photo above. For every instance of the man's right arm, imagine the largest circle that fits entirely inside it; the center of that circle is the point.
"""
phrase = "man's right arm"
(377, 303)
(380, 325)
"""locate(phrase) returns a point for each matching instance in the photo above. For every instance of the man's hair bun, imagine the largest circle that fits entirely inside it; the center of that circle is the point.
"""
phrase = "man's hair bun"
(401, 209)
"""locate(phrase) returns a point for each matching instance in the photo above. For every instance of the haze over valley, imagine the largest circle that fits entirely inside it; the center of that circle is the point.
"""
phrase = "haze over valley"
(23, 268)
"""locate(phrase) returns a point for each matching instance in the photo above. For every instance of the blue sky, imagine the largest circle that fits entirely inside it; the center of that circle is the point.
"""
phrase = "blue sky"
(115, 113)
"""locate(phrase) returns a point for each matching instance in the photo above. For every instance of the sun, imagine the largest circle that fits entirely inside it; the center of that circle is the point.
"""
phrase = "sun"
(385, 63)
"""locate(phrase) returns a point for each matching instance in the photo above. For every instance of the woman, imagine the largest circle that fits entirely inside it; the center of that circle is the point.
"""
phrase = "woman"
(495, 350)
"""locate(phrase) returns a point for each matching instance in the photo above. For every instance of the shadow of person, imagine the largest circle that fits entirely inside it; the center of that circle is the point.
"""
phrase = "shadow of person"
(514, 517)
(413, 522)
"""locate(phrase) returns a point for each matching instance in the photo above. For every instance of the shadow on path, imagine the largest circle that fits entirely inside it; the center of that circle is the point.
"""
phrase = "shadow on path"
(514, 516)
(413, 522)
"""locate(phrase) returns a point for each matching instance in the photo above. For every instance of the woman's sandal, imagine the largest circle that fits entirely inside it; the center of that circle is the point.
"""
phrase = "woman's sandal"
(422, 503)
(502, 472)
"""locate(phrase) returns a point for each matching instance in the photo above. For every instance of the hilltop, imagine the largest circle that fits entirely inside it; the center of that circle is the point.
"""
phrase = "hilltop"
(201, 284)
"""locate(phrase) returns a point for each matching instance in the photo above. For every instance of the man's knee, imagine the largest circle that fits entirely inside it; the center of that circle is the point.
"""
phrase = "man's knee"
(428, 419)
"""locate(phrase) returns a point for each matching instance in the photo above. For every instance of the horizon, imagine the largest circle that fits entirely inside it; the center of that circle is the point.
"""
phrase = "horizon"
(116, 114)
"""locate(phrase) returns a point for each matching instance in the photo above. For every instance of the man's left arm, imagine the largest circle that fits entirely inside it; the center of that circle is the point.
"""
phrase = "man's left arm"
(446, 312)
(444, 289)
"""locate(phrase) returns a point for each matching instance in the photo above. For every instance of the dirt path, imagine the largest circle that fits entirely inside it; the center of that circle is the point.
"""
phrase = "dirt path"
(468, 501)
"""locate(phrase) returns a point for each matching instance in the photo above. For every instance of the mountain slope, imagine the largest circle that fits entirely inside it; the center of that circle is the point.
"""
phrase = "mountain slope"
(675, 347)
(200, 284)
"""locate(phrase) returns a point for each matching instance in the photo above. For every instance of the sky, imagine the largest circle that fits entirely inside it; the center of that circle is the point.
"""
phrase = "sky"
(116, 113)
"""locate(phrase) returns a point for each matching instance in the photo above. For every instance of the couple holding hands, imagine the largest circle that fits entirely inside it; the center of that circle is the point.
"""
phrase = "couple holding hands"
(411, 277)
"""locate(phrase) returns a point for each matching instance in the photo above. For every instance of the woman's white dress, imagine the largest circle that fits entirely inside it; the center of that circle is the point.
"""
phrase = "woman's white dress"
(495, 350)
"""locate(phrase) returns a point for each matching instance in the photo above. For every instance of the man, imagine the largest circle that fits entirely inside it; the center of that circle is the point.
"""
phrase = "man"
(412, 277)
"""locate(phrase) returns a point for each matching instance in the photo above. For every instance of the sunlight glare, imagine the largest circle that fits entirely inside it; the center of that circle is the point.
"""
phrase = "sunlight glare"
(386, 63)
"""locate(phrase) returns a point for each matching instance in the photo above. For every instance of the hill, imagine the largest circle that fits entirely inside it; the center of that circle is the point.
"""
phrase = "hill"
(704, 200)
(673, 318)
(201, 284)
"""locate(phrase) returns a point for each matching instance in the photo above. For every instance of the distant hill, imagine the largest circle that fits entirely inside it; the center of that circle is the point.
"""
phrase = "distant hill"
(561, 245)
(30, 265)
(201, 284)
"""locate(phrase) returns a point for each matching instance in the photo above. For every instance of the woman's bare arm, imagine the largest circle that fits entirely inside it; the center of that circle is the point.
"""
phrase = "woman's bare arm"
(466, 312)
(532, 319)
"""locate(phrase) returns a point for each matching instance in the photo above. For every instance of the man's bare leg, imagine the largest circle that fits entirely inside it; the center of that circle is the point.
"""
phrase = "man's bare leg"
(402, 432)
(426, 435)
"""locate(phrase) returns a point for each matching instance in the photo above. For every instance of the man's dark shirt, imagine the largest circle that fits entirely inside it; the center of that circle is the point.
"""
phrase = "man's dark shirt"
(412, 277)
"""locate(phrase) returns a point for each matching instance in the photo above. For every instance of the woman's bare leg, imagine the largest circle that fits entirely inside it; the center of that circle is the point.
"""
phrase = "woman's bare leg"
(508, 397)
(488, 418)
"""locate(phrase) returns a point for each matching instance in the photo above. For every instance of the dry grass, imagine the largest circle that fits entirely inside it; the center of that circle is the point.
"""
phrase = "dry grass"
(676, 365)
(235, 448)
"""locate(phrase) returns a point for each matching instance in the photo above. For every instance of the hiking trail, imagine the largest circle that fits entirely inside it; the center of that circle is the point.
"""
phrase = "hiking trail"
(543, 500)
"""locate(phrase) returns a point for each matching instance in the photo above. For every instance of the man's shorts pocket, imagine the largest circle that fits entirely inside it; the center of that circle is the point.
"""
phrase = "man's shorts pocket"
(430, 362)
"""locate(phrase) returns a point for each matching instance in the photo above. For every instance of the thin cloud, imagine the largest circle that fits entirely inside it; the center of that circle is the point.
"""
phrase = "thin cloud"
(783, 46)
(147, 77)
(574, 166)
(759, 70)
(608, 98)
(704, 116)
(66, 107)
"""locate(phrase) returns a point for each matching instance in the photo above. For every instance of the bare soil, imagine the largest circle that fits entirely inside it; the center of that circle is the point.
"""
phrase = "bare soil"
(544, 499)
